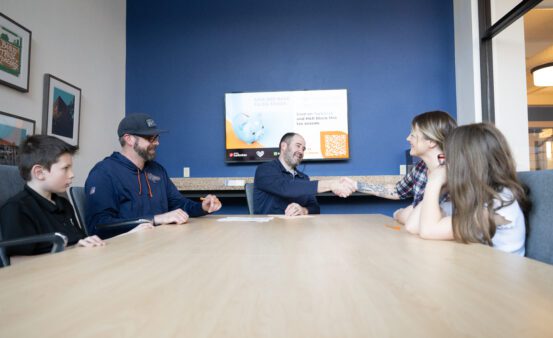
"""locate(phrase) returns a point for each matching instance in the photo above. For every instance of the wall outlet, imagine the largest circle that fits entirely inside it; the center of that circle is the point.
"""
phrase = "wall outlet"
(402, 169)
(186, 172)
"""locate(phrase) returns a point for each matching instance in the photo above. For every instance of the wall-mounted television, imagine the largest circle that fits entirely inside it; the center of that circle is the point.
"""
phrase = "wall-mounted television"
(256, 121)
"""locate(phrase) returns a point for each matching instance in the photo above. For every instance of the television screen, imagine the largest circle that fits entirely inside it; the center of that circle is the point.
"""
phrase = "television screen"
(255, 123)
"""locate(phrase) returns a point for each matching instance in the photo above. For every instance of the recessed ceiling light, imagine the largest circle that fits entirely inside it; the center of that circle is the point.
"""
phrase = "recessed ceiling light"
(543, 75)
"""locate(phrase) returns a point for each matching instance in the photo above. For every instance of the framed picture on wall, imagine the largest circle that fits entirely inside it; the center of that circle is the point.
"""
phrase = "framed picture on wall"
(15, 54)
(61, 109)
(13, 130)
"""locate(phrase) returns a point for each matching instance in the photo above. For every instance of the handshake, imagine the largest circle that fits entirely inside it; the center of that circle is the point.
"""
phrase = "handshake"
(343, 187)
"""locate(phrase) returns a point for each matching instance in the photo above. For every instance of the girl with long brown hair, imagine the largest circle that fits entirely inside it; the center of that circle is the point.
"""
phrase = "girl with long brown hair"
(487, 199)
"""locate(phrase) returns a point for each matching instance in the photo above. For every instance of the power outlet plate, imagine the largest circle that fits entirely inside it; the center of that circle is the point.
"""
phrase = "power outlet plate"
(235, 183)
(186, 172)
(402, 169)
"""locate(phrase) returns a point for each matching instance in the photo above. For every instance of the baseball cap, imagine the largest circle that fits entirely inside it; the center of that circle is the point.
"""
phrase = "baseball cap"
(138, 124)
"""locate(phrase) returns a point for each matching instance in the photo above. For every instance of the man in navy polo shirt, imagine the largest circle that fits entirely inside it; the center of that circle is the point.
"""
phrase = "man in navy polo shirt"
(279, 188)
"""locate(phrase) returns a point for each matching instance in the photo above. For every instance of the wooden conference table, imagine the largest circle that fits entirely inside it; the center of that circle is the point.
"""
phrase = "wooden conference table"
(322, 276)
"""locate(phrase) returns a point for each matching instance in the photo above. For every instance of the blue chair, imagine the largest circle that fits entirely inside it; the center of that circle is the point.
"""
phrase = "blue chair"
(539, 241)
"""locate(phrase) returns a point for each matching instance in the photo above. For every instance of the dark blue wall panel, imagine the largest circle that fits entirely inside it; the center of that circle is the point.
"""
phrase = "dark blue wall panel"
(395, 58)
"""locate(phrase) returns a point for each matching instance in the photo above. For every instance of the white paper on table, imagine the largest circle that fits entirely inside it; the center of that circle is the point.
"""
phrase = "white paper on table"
(294, 217)
(246, 219)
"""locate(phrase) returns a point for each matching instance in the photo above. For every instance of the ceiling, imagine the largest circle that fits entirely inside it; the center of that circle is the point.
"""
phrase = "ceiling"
(538, 32)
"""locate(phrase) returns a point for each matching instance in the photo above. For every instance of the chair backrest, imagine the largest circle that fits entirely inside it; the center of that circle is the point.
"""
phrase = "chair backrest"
(78, 199)
(4, 258)
(10, 181)
(539, 242)
(249, 196)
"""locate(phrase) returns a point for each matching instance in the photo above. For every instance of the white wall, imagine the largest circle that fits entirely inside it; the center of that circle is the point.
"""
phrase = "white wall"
(511, 108)
(82, 42)
(509, 72)
(467, 61)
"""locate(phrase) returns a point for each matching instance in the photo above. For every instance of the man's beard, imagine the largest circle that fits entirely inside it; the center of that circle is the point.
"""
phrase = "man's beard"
(289, 159)
(143, 152)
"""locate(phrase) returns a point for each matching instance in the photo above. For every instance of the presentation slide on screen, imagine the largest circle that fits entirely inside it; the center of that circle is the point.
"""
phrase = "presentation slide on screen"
(255, 122)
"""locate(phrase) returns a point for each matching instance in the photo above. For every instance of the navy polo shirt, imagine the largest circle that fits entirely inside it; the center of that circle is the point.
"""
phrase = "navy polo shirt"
(275, 188)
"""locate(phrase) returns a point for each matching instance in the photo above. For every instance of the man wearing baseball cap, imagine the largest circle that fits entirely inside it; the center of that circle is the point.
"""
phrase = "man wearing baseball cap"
(129, 185)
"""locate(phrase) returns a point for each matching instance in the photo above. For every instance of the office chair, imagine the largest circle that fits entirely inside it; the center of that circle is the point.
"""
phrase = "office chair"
(59, 241)
(249, 196)
(539, 240)
(12, 183)
(77, 198)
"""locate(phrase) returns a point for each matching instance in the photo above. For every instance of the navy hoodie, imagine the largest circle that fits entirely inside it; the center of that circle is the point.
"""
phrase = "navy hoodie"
(118, 191)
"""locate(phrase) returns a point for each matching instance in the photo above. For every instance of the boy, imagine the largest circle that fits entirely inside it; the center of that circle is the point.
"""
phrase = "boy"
(45, 163)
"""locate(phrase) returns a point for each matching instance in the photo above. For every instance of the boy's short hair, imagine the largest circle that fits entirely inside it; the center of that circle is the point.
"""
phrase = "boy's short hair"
(43, 150)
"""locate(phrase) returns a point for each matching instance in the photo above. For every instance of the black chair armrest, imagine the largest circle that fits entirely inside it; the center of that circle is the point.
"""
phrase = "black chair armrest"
(59, 241)
(126, 224)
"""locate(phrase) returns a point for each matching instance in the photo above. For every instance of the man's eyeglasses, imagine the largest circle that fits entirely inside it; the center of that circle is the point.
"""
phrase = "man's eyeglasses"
(149, 138)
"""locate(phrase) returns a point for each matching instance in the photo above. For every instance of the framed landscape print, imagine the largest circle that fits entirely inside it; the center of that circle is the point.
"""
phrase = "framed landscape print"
(13, 130)
(15, 54)
(61, 109)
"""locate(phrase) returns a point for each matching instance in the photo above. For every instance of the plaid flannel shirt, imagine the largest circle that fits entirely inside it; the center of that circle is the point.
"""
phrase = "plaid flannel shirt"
(413, 184)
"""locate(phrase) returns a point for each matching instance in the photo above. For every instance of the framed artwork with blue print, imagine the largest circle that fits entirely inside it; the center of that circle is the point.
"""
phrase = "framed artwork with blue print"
(61, 114)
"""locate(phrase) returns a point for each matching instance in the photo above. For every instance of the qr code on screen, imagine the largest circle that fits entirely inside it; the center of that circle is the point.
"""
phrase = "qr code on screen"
(335, 145)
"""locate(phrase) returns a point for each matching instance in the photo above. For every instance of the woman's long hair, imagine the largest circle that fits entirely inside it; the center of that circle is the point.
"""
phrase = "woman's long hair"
(480, 165)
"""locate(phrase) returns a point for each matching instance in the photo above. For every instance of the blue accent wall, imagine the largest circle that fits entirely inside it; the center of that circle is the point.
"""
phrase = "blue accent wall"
(395, 58)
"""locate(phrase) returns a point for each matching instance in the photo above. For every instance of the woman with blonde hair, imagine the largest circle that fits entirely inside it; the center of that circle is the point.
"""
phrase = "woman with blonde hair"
(487, 199)
(428, 133)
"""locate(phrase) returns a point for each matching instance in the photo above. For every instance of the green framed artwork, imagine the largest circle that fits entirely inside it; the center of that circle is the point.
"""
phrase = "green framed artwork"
(15, 54)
